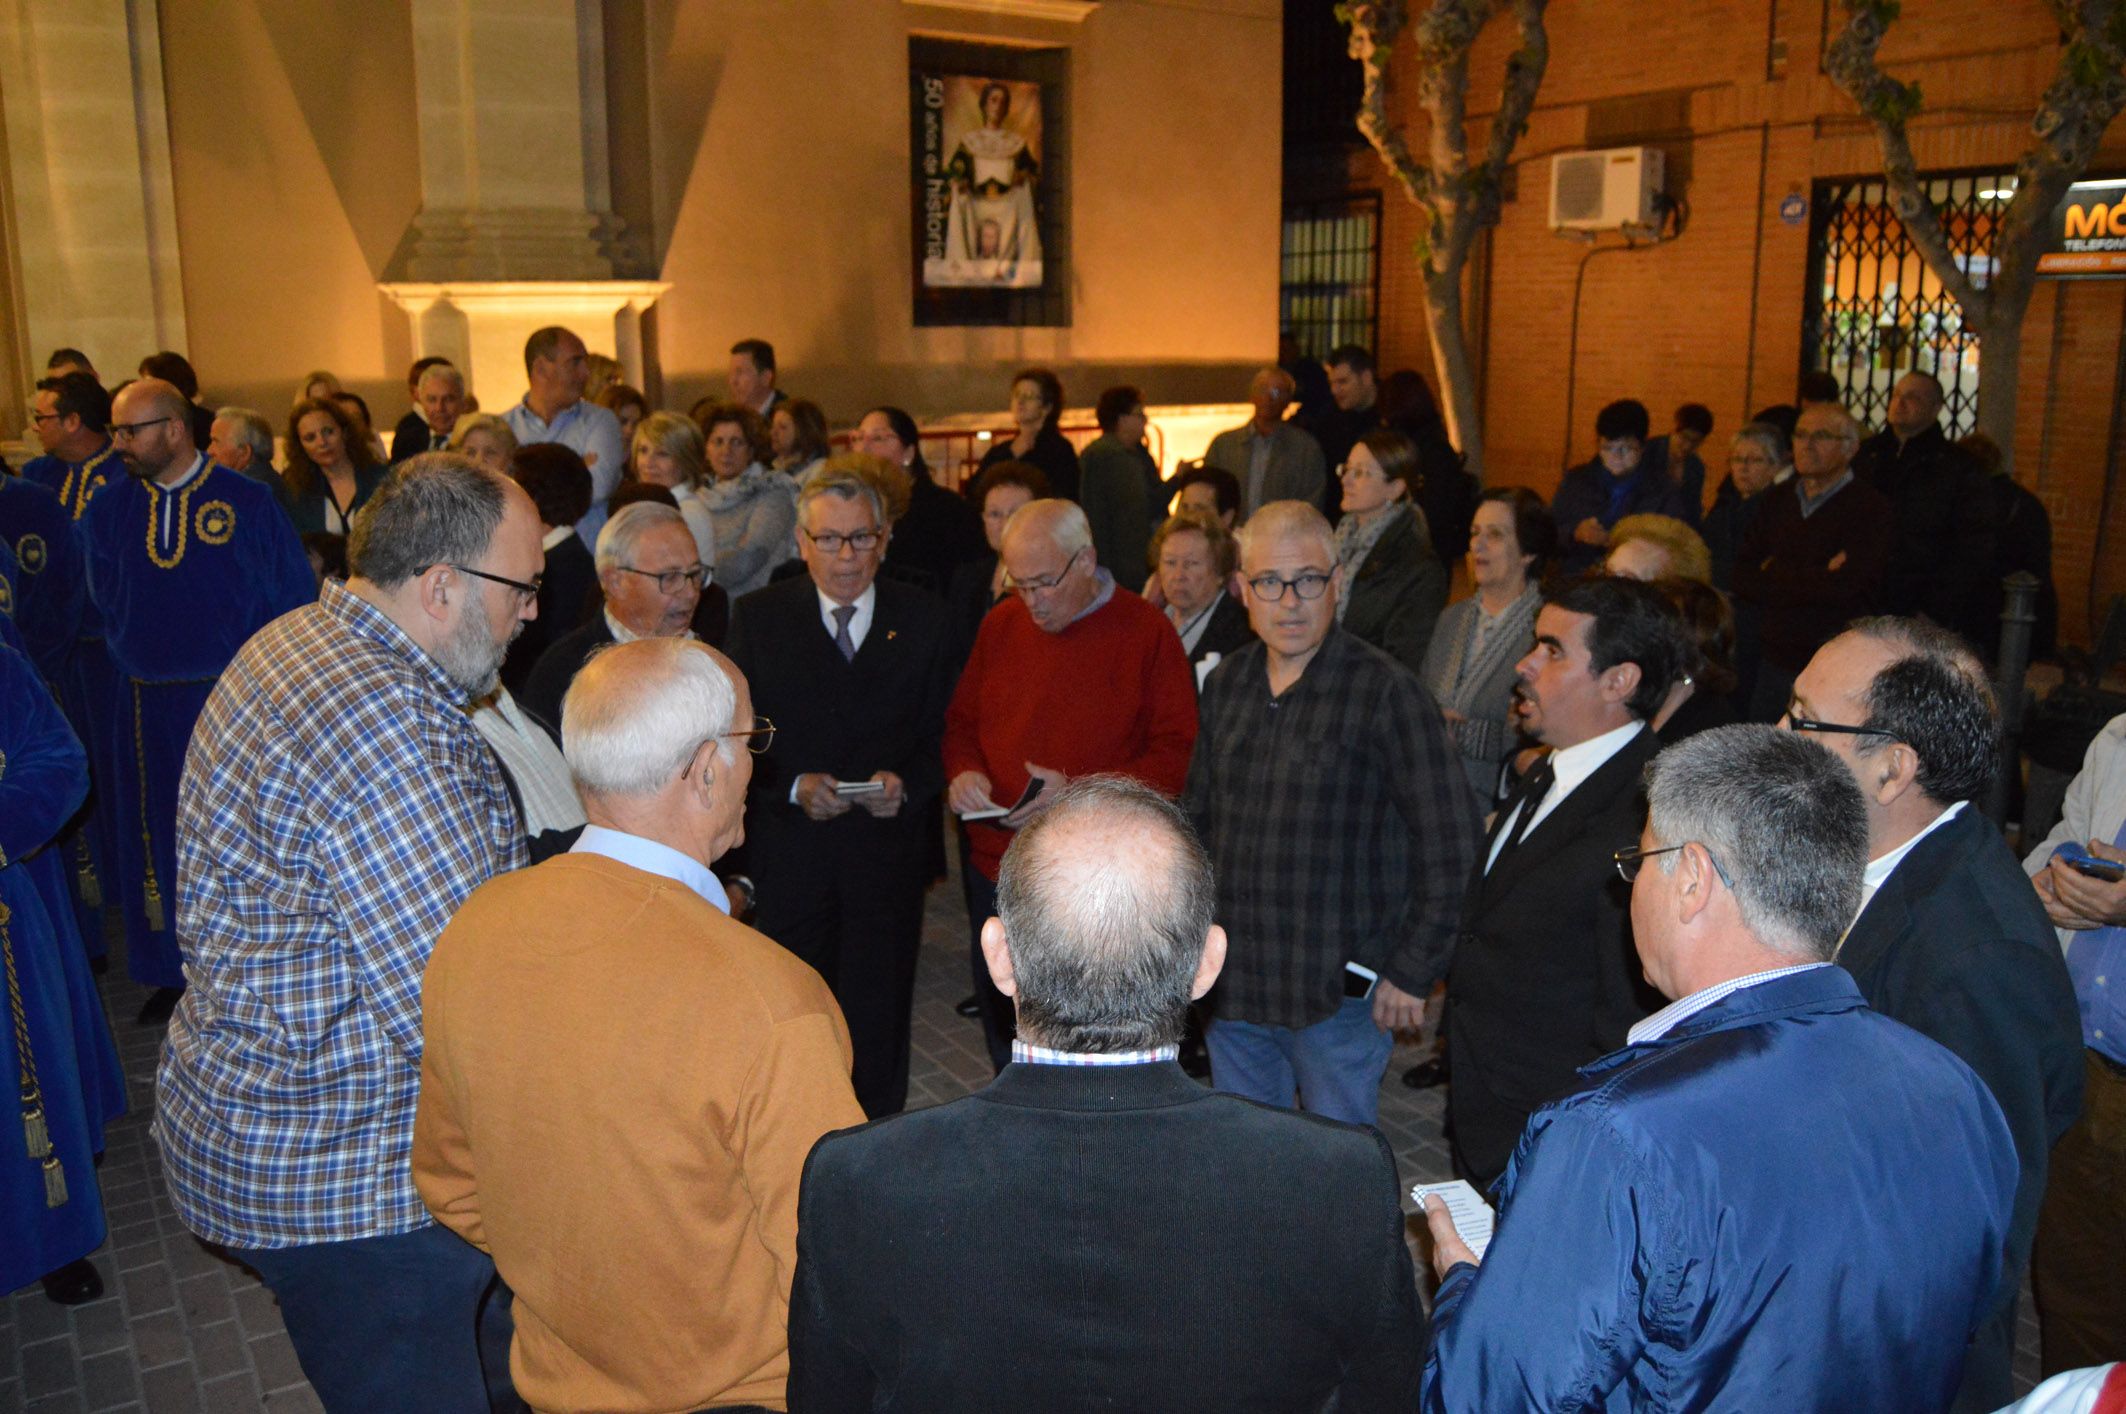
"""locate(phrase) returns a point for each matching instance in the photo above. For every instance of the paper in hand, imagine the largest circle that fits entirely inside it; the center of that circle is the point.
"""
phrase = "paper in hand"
(845, 789)
(1033, 788)
(1472, 1216)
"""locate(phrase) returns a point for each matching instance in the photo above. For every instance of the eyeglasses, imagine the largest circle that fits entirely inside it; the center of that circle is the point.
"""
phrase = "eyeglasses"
(1270, 589)
(1028, 588)
(1629, 860)
(1359, 473)
(672, 581)
(863, 542)
(1805, 724)
(525, 592)
(37, 417)
(758, 740)
(126, 431)
(1824, 436)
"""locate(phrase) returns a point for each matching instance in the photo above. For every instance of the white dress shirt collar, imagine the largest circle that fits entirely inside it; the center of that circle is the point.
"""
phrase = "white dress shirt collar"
(555, 536)
(653, 858)
(1668, 1018)
(859, 622)
(1569, 766)
(1880, 869)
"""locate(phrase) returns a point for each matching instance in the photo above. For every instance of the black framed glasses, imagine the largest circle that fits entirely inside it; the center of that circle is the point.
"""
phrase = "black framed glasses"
(863, 541)
(1311, 584)
(1629, 859)
(37, 417)
(672, 581)
(1810, 724)
(525, 592)
(126, 431)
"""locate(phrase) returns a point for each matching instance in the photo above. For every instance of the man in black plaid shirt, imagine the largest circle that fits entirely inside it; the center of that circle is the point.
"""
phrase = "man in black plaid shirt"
(1341, 829)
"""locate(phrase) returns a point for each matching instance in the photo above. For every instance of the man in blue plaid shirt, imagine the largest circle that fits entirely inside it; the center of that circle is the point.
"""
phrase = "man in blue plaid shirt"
(337, 806)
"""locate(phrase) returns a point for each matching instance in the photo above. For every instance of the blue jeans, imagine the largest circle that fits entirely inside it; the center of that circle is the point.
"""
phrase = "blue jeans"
(1335, 1065)
(394, 1322)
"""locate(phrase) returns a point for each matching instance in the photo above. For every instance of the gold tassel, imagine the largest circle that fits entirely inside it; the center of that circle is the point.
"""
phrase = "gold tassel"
(85, 876)
(154, 906)
(35, 1133)
(54, 1183)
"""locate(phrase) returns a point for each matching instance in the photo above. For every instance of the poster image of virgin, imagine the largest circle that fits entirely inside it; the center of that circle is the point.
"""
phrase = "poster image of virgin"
(981, 161)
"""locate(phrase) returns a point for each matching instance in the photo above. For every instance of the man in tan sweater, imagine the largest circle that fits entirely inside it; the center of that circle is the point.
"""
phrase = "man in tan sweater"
(620, 1084)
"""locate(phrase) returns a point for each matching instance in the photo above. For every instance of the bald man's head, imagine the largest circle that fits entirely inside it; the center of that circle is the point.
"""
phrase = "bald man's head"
(1105, 902)
(152, 423)
(1048, 561)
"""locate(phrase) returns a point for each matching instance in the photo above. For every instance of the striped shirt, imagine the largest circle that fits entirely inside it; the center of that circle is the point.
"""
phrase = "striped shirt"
(337, 807)
(1668, 1018)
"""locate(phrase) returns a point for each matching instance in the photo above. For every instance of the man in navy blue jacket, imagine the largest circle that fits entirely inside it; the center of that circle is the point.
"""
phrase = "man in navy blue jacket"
(1772, 1197)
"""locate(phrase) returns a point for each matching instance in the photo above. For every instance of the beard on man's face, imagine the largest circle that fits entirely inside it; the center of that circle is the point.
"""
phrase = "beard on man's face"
(470, 657)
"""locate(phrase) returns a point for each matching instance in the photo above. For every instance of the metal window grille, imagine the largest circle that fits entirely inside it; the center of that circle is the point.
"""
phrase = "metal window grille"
(1329, 288)
(1875, 312)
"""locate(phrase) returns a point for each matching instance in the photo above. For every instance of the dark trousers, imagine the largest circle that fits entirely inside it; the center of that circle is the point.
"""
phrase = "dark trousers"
(2079, 1267)
(999, 1018)
(395, 1322)
(859, 923)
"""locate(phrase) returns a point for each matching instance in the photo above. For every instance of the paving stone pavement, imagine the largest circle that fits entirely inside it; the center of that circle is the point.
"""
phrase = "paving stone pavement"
(180, 1328)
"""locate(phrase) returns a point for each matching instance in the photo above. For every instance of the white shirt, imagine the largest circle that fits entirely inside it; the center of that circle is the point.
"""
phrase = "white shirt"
(166, 505)
(1569, 766)
(654, 858)
(1879, 870)
(555, 536)
(859, 622)
(1668, 1018)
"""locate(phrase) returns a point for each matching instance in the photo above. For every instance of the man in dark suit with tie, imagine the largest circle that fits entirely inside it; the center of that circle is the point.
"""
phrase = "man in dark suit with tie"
(1048, 1243)
(855, 672)
(1950, 939)
(1544, 979)
(438, 396)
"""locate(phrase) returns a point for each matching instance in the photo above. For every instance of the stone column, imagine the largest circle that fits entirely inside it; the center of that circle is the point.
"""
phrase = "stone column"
(87, 166)
(516, 228)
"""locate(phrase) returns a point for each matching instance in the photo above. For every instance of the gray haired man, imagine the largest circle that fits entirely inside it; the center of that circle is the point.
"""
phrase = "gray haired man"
(653, 579)
(1047, 1243)
(242, 441)
(1766, 1168)
(337, 807)
(620, 1083)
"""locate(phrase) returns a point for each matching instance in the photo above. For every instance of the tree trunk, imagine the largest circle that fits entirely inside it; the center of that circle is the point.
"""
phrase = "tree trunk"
(2000, 371)
(1450, 365)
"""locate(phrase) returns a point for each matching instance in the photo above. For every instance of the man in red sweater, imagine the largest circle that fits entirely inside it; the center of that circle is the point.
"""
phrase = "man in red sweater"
(1070, 676)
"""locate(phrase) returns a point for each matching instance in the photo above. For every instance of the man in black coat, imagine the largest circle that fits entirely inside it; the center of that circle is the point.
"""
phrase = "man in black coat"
(1941, 545)
(1048, 1243)
(1951, 940)
(655, 587)
(855, 672)
(1544, 978)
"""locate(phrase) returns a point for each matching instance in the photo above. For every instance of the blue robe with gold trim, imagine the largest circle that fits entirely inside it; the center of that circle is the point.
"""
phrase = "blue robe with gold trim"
(74, 482)
(48, 585)
(43, 777)
(181, 576)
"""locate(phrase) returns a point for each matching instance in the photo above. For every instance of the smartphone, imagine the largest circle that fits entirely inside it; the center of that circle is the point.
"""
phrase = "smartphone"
(2079, 859)
(1359, 980)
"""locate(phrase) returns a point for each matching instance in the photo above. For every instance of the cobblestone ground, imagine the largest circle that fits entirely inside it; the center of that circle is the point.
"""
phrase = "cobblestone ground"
(180, 1328)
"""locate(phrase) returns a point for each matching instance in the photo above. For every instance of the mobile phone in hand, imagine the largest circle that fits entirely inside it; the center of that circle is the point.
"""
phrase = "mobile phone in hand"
(2079, 859)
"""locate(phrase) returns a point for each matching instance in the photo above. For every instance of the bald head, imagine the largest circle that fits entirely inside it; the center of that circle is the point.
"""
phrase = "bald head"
(1048, 560)
(1103, 934)
(152, 424)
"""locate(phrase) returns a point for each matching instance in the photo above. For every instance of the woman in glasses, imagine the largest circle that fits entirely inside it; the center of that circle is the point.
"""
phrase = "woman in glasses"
(1393, 585)
(752, 508)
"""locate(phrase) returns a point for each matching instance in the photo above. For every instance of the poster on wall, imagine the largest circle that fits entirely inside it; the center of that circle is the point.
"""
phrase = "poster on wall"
(2088, 233)
(979, 171)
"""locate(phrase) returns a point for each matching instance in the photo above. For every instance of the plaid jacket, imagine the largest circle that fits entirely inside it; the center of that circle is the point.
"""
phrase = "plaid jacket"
(1340, 825)
(337, 807)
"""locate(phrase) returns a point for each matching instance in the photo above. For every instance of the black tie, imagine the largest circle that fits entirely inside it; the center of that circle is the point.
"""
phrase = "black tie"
(842, 614)
(1539, 782)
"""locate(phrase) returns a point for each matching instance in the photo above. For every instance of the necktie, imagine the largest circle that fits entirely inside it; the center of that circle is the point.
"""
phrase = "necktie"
(1539, 783)
(842, 614)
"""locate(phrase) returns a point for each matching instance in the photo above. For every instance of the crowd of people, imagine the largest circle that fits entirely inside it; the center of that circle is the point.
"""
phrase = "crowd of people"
(524, 834)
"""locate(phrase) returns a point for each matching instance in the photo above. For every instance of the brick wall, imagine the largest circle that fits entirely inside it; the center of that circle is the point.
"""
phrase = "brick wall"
(1714, 316)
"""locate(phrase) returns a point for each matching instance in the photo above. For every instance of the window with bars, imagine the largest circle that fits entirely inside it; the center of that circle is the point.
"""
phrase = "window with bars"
(1875, 312)
(1329, 287)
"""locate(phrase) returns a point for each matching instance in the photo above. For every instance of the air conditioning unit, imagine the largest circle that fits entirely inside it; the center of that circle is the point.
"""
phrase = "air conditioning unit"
(1606, 190)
